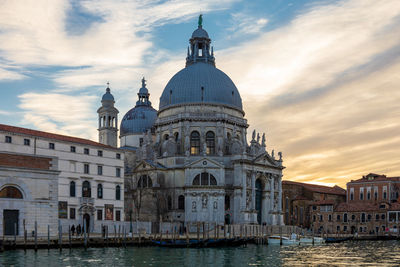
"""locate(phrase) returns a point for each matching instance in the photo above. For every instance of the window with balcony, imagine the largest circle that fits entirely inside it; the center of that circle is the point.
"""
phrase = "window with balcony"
(86, 190)
(345, 217)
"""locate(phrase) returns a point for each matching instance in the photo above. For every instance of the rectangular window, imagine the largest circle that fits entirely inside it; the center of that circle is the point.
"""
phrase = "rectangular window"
(384, 192)
(86, 151)
(51, 146)
(99, 214)
(86, 168)
(118, 155)
(321, 218)
(99, 153)
(362, 193)
(27, 142)
(118, 172)
(345, 228)
(118, 215)
(72, 213)
(351, 193)
(329, 217)
(100, 170)
(73, 149)
(8, 139)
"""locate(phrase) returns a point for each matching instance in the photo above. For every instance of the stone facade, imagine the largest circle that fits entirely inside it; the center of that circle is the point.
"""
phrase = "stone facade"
(194, 164)
(28, 193)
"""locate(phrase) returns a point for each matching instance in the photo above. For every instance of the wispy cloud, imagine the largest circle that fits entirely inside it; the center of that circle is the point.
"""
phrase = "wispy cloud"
(73, 115)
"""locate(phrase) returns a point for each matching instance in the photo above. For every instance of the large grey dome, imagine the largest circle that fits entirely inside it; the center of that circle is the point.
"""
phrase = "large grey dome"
(200, 83)
(138, 120)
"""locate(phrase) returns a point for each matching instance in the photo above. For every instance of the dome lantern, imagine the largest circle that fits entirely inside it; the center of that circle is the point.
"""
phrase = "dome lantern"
(199, 49)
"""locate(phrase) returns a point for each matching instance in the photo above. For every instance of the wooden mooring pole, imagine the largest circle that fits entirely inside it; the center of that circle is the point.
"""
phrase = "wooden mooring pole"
(35, 236)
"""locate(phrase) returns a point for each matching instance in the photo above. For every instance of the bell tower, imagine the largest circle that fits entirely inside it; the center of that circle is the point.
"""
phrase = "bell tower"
(108, 120)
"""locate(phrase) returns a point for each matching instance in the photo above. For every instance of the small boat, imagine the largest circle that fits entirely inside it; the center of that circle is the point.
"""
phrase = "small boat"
(337, 239)
(274, 240)
(286, 241)
(319, 240)
(290, 241)
(306, 240)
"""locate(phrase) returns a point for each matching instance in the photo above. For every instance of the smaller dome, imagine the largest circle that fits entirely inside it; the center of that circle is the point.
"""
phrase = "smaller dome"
(107, 96)
(138, 120)
(200, 33)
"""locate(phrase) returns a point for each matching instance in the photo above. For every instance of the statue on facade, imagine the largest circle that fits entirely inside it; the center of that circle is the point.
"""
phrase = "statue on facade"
(258, 138)
(254, 135)
(204, 201)
(280, 156)
(263, 140)
(273, 154)
(193, 205)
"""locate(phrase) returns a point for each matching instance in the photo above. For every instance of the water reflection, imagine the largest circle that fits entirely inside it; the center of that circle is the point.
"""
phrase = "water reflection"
(368, 253)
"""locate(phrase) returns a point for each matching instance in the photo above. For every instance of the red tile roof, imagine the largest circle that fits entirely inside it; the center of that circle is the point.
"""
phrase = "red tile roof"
(366, 206)
(59, 137)
(335, 190)
(372, 177)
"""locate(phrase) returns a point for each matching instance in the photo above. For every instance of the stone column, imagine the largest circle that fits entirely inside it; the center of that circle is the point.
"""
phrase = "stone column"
(244, 188)
(272, 184)
(253, 190)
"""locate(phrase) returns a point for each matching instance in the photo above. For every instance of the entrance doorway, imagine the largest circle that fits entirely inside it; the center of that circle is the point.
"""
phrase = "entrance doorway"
(10, 220)
(86, 221)
(259, 200)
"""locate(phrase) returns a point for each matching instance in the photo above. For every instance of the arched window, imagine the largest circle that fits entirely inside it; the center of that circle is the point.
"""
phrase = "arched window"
(72, 189)
(176, 136)
(145, 181)
(99, 191)
(181, 202)
(10, 192)
(86, 191)
(210, 141)
(166, 136)
(195, 143)
(118, 192)
(169, 203)
(345, 217)
(204, 179)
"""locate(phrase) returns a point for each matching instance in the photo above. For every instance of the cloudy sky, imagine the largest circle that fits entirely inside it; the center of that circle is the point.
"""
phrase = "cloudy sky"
(320, 78)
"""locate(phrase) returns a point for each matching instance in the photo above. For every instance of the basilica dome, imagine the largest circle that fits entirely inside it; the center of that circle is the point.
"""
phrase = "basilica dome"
(140, 118)
(200, 83)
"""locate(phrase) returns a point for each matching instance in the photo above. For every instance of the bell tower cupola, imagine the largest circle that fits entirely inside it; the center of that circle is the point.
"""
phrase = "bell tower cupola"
(108, 120)
(200, 49)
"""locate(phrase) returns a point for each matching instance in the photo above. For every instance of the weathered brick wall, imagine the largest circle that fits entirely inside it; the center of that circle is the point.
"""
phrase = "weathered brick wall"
(12, 160)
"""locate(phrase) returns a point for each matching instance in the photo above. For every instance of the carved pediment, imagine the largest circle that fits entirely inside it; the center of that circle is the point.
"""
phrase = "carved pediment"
(147, 165)
(266, 159)
(205, 163)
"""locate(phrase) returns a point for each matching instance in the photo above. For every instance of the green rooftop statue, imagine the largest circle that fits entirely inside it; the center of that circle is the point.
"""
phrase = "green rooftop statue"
(201, 20)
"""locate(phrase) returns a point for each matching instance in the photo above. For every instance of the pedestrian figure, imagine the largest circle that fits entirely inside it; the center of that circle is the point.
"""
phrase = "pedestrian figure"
(73, 230)
(78, 230)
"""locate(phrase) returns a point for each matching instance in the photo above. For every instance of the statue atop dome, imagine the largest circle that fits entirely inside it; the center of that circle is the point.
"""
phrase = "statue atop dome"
(200, 21)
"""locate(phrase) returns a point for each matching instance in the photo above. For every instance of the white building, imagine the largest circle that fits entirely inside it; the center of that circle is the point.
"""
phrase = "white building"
(90, 179)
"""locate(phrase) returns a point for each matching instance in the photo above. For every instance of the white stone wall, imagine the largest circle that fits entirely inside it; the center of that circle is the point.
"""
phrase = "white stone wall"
(39, 203)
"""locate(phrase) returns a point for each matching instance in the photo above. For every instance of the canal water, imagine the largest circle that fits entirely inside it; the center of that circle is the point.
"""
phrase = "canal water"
(352, 253)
